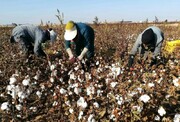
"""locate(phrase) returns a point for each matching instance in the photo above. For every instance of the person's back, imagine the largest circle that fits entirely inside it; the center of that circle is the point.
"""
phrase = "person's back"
(28, 31)
(150, 39)
(31, 37)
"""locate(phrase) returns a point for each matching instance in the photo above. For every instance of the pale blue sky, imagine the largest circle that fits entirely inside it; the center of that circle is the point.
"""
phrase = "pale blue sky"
(33, 11)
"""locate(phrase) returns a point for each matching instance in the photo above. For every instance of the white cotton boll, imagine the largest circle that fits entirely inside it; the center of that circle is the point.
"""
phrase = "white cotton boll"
(77, 90)
(141, 70)
(20, 100)
(157, 118)
(119, 100)
(159, 81)
(90, 90)
(42, 86)
(55, 103)
(38, 93)
(138, 108)
(70, 93)
(72, 76)
(91, 118)
(54, 73)
(12, 91)
(176, 118)
(12, 80)
(176, 82)
(10, 87)
(52, 67)
(81, 102)
(99, 92)
(107, 80)
(112, 117)
(131, 94)
(28, 92)
(68, 103)
(167, 96)
(82, 72)
(151, 84)
(61, 79)
(21, 95)
(145, 98)
(140, 90)
(19, 107)
(113, 84)
(80, 115)
(52, 80)
(161, 111)
(98, 85)
(75, 85)
(26, 82)
(97, 62)
(19, 116)
(76, 68)
(34, 109)
(71, 110)
(5, 106)
(96, 104)
(62, 91)
(88, 76)
(79, 79)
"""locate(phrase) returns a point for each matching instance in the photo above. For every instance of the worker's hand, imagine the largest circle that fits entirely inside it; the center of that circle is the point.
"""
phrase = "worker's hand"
(153, 61)
(80, 58)
(130, 60)
(72, 60)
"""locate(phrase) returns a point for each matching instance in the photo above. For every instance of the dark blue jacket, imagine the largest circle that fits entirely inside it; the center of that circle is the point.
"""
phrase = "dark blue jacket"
(85, 37)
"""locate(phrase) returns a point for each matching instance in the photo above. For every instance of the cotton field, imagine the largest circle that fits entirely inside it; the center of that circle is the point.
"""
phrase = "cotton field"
(52, 89)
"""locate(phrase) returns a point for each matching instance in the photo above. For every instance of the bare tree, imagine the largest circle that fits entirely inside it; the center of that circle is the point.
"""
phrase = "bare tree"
(60, 17)
(156, 20)
(96, 20)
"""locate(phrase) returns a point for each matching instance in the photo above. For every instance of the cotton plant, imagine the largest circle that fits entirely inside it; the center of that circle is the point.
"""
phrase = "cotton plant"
(91, 118)
(5, 106)
(90, 90)
(145, 98)
(161, 111)
(116, 70)
(176, 81)
(19, 90)
(80, 116)
(176, 117)
(82, 103)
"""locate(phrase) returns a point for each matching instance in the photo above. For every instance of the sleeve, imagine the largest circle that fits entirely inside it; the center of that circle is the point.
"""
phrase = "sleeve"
(38, 49)
(87, 37)
(67, 44)
(134, 51)
(136, 45)
(157, 50)
(37, 46)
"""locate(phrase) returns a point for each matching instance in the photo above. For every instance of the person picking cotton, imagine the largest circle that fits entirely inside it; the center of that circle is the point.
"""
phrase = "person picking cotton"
(79, 41)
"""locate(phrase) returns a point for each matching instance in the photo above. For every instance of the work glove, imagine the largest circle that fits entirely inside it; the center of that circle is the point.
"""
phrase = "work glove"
(72, 60)
(12, 39)
(153, 61)
(131, 60)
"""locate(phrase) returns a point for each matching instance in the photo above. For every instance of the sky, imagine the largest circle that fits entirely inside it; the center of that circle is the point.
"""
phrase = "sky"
(33, 11)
